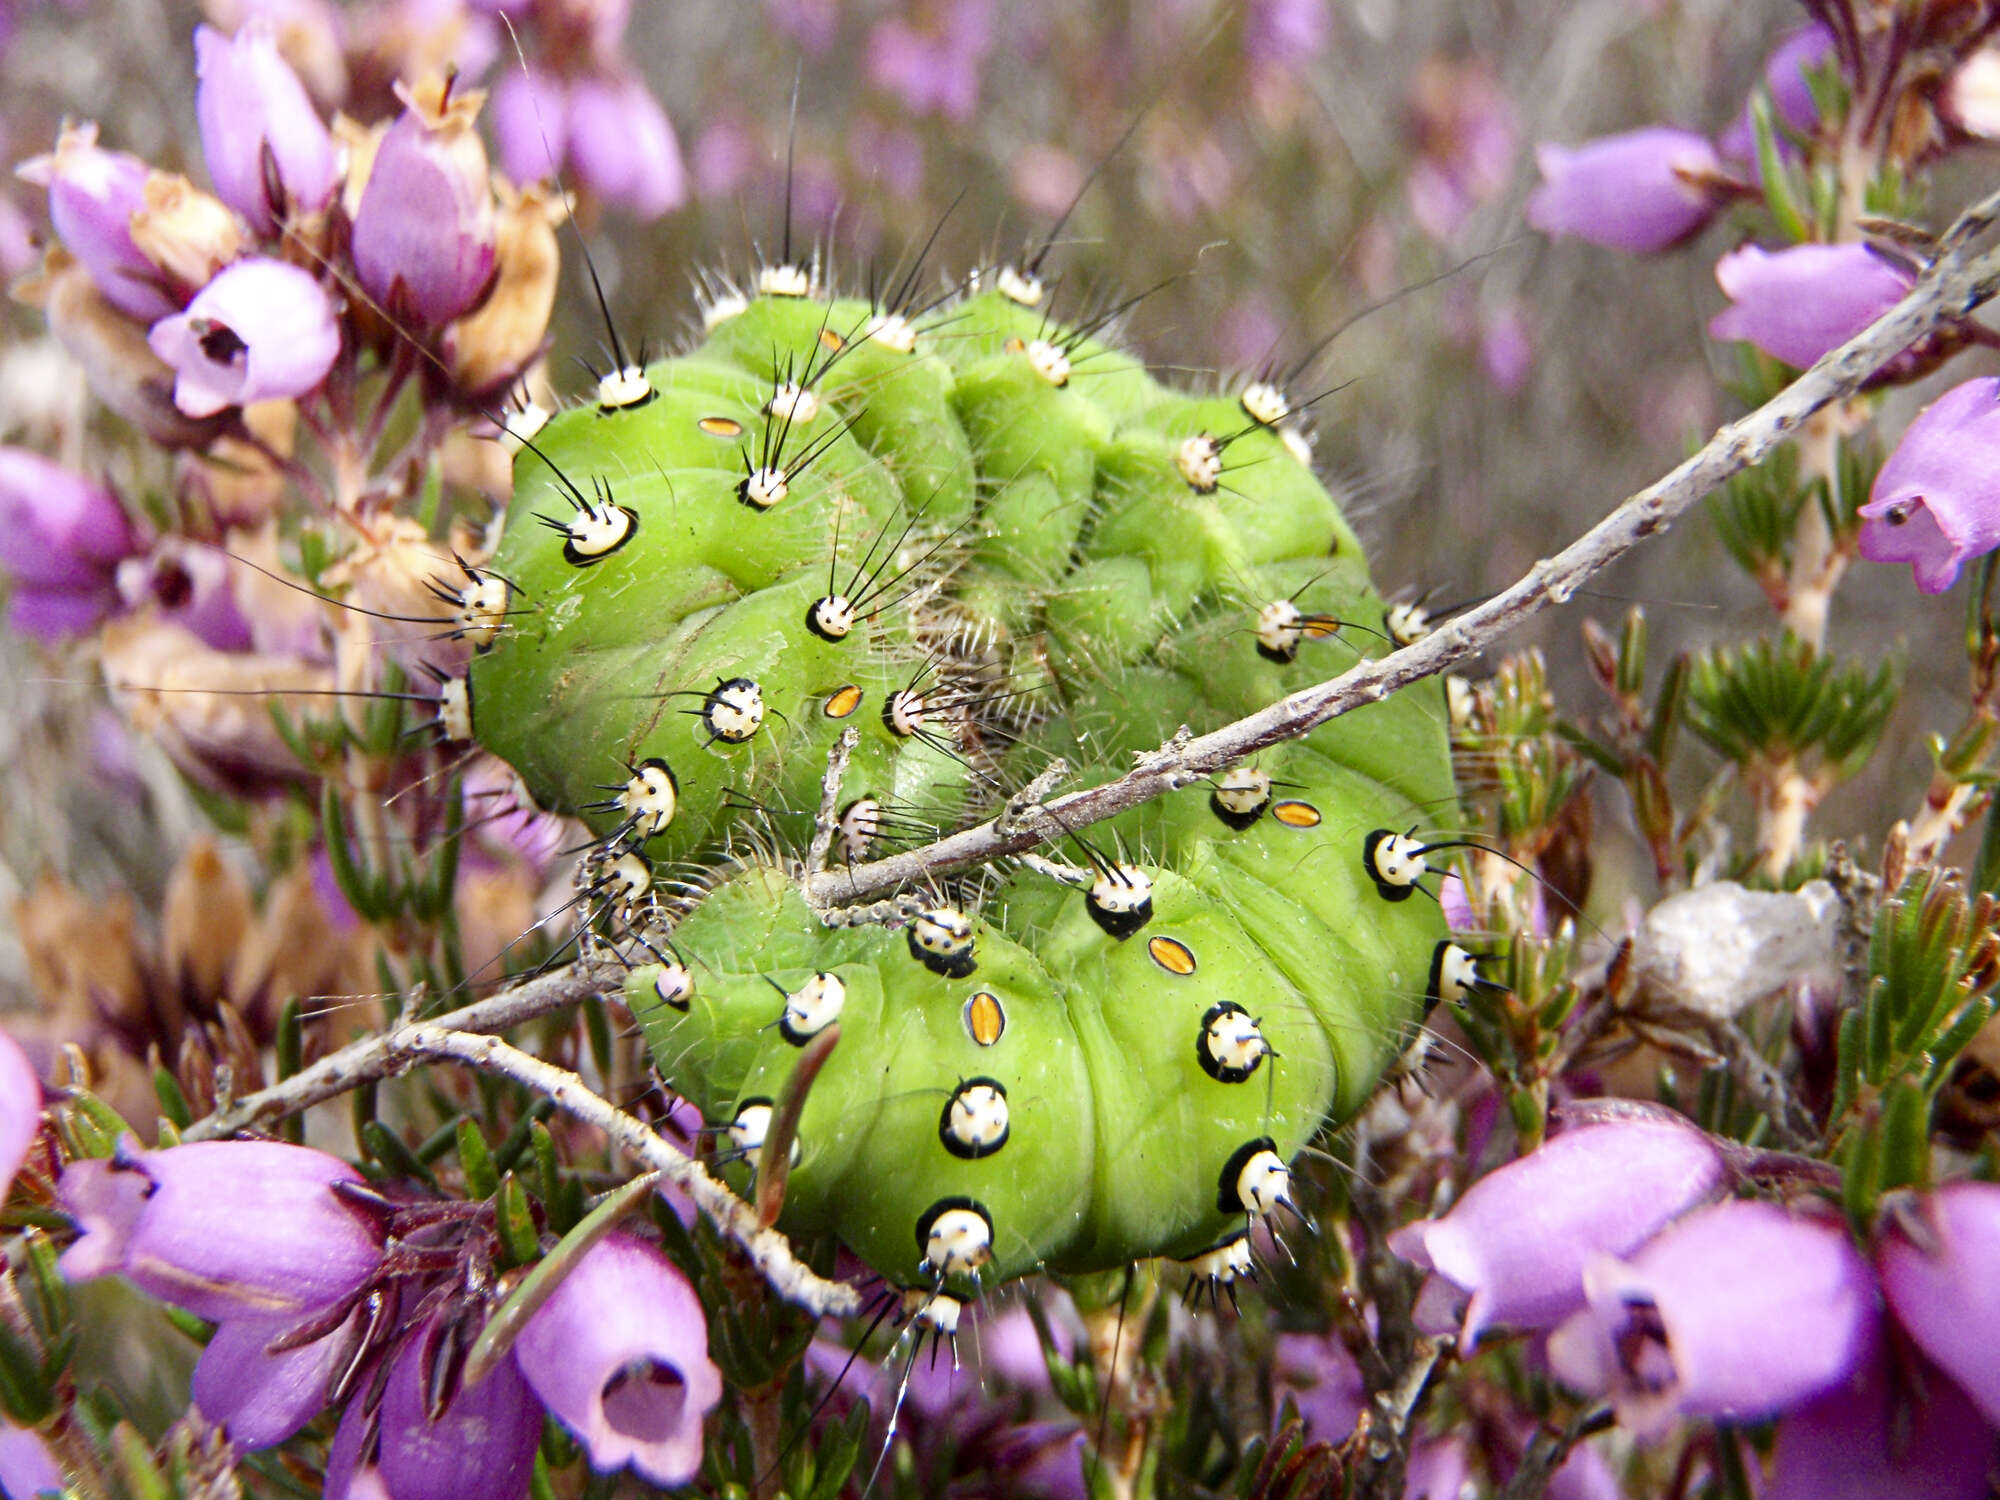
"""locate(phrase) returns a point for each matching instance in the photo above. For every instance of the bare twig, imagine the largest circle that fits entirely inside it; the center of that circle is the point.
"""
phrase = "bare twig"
(375, 1057)
(827, 823)
(767, 1249)
(1547, 1452)
(464, 1035)
(1955, 285)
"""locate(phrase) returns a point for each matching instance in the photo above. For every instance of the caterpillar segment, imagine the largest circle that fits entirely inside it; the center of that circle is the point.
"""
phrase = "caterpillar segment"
(976, 565)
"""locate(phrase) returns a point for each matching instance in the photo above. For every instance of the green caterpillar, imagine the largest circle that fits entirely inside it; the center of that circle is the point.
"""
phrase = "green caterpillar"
(980, 538)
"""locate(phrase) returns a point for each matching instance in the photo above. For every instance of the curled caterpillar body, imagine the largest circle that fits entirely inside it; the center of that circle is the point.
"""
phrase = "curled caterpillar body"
(972, 553)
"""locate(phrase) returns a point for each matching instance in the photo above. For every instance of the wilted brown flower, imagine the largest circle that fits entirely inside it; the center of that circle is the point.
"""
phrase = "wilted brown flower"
(120, 366)
(490, 347)
(211, 710)
(188, 234)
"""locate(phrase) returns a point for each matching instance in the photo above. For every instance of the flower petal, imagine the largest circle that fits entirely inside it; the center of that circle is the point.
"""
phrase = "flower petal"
(224, 1229)
(483, 1446)
(1640, 191)
(1869, 1439)
(1936, 501)
(1947, 1294)
(20, 1109)
(620, 1356)
(1798, 303)
(261, 1399)
(1740, 1311)
(1520, 1237)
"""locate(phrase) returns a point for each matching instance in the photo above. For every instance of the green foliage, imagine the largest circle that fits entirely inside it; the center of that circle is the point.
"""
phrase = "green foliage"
(1781, 701)
(1933, 961)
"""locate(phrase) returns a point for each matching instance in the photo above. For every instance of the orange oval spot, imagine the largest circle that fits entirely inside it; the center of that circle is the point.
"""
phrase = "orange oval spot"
(722, 427)
(842, 701)
(1173, 955)
(832, 340)
(1296, 814)
(1320, 627)
(1014, 345)
(985, 1018)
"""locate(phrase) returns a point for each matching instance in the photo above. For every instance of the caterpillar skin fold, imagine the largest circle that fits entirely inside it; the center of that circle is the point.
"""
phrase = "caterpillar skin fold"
(981, 539)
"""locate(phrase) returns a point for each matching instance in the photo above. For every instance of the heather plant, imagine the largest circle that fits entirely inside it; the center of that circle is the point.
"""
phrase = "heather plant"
(919, 875)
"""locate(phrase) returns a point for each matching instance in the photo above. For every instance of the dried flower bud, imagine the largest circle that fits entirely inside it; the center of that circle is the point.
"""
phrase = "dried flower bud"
(236, 483)
(118, 365)
(358, 144)
(268, 150)
(93, 194)
(261, 330)
(391, 572)
(490, 348)
(203, 919)
(424, 229)
(186, 233)
(211, 710)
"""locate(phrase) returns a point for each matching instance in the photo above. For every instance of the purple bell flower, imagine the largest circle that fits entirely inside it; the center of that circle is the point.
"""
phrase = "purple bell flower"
(609, 130)
(259, 129)
(259, 1398)
(623, 145)
(1946, 1292)
(1642, 191)
(190, 585)
(1874, 1437)
(530, 123)
(481, 1445)
(1519, 1240)
(619, 1355)
(1798, 303)
(424, 229)
(1439, 1469)
(225, 1229)
(1284, 35)
(263, 330)
(1323, 1381)
(20, 1110)
(1740, 1312)
(1936, 502)
(62, 537)
(1792, 105)
(93, 194)
(934, 70)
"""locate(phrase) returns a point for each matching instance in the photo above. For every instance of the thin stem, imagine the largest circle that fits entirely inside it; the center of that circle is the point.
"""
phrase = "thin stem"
(372, 1059)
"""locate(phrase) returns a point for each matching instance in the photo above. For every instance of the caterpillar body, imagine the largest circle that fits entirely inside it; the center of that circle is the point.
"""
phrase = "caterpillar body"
(980, 538)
